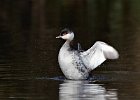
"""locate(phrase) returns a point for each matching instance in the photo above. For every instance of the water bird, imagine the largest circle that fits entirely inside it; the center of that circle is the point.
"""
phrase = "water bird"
(77, 64)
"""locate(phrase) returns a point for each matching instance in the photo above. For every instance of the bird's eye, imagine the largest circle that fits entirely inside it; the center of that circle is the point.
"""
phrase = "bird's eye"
(64, 33)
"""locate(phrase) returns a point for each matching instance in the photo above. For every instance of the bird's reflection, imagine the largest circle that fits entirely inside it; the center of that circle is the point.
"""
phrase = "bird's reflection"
(84, 90)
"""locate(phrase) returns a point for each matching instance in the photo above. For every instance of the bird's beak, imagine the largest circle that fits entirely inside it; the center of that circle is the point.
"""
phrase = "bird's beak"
(58, 36)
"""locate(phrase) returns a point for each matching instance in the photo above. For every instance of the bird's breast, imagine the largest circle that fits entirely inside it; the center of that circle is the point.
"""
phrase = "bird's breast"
(69, 66)
(65, 58)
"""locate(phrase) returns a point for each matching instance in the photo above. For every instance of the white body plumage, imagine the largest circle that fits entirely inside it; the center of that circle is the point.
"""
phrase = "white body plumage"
(71, 64)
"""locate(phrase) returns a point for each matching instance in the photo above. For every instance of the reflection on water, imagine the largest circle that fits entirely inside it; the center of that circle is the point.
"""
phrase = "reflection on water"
(84, 90)
(55, 89)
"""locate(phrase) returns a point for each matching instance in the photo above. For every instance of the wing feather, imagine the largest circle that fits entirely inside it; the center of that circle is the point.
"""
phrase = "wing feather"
(97, 54)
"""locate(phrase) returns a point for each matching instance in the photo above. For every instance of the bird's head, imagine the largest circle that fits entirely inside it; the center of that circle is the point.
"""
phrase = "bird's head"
(66, 34)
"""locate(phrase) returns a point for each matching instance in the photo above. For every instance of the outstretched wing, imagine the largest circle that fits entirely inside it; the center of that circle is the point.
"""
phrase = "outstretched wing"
(97, 54)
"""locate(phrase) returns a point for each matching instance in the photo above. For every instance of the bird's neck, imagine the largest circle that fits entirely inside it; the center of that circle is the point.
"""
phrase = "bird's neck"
(67, 44)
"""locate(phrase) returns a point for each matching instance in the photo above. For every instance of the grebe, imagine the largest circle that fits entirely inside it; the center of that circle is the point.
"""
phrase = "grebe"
(77, 64)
